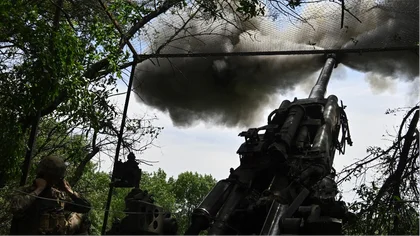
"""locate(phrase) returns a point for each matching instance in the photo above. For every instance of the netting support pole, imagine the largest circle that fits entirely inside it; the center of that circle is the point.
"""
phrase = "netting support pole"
(117, 150)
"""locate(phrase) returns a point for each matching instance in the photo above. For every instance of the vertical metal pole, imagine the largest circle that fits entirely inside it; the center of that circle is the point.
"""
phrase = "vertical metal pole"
(117, 151)
(30, 149)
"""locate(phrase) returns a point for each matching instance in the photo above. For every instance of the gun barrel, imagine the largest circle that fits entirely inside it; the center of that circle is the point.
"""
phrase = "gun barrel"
(318, 91)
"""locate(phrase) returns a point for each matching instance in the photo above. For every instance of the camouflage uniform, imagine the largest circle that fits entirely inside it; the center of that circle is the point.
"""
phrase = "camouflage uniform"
(51, 212)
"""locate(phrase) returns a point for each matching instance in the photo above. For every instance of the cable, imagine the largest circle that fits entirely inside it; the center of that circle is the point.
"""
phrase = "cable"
(92, 208)
(274, 53)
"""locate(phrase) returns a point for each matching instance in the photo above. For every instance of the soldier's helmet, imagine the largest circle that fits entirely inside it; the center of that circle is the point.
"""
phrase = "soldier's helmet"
(53, 166)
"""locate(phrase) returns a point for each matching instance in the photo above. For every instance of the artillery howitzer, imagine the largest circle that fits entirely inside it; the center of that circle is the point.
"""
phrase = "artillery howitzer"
(285, 181)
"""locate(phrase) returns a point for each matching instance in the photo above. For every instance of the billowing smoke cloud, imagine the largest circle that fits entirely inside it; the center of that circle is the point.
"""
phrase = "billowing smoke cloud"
(379, 83)
(232, 91)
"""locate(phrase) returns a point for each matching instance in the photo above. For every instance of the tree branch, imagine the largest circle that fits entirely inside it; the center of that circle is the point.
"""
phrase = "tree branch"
(93, 70)
(395, 179)
(164, 7)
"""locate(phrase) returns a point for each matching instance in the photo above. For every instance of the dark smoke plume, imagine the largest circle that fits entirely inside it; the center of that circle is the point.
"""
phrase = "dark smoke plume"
(232, 91)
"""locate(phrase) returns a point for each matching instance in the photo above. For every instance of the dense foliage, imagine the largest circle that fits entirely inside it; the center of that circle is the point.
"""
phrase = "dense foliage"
(46, 47)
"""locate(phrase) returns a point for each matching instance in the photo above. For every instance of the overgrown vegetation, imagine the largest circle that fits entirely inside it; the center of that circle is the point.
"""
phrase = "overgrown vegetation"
(387, 183)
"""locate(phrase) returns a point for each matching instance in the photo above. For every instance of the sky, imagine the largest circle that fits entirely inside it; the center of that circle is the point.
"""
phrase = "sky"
(210, 149)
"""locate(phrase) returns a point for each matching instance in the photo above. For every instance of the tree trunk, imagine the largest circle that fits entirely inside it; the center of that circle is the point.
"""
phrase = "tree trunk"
(81, 167)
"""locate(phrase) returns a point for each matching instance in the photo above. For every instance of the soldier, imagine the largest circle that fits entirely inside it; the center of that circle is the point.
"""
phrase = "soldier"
(128, 174)
(49, 205)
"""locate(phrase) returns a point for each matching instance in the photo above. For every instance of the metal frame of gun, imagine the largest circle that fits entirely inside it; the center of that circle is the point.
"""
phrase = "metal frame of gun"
(285, 181)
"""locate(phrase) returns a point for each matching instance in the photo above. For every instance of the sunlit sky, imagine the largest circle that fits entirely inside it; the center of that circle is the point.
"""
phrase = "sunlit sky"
(210, 149)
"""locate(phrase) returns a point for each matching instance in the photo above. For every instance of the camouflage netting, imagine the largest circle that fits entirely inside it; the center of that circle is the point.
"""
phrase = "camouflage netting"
(232, 91)
(366, 24)
(311, 25)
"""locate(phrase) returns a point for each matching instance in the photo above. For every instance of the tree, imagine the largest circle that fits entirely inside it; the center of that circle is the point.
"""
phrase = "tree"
(387, 205)
(179, 196)
(46, 78)
(189, 189)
